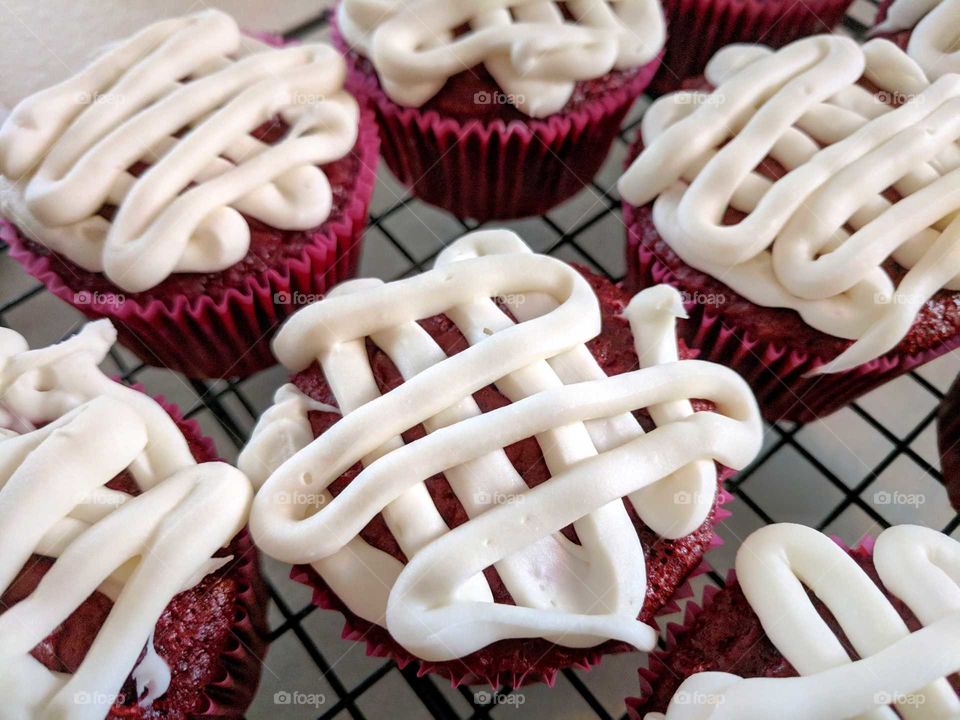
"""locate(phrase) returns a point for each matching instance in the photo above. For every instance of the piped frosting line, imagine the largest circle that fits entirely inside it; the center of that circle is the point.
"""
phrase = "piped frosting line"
(438, 605)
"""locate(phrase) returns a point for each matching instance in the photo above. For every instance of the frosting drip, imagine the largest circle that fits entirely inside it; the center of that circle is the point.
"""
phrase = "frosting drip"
(814, 240)
(439, 606)
(532, 49)
(55, 462)
(935, 32)
(902, 670)
(181, 97)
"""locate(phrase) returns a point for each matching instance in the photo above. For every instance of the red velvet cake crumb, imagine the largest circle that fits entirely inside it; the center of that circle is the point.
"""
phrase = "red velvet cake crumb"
(512, 662)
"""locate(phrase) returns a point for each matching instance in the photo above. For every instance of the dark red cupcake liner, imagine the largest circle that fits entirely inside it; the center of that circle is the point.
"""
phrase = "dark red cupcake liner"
(495, 170)
(203, 337)
(485, 666)
(230, 694)
(696, 29)
(948, 442)
(657, 666)
(777, 375)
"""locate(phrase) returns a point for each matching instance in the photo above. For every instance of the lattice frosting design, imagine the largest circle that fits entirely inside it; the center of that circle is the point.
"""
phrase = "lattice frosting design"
(439, 605)
(183, 97)
(935, 28)
(66, 430)
(816, 239)
(535, 49)
(902, 670)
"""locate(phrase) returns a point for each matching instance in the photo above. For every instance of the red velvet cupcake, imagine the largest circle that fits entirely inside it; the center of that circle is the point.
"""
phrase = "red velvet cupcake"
(865, 628)
(499, 111)
(193, 185)
(180, 633)
(948, 440)
(804, 265)
(925, 29)
(498, 502)
(696, 29)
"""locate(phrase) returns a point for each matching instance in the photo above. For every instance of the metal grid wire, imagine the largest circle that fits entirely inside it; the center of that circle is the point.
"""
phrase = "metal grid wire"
(837, 475)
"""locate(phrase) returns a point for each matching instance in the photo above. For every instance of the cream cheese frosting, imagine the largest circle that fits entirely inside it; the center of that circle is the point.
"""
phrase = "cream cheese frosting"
(898, 670)
(181, 96)
(935, 32)
(534, 52)
(66, 430)
(439, 605)
(815, 240)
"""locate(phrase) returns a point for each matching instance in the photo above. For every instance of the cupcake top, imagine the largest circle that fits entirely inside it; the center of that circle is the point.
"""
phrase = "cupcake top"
(536, 50)
(820, 178)
(66, 431)
(526, 318)
(905, 670)
(145, 163)
(934, 26)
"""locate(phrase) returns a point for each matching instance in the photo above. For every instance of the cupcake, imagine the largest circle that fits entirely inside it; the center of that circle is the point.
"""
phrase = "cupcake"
(498, 110)
(806, 629)
(128, 587)
(803, 204)
(948, 440)
(696, 29)
(926, 29)
(194, 186)
(483, 473)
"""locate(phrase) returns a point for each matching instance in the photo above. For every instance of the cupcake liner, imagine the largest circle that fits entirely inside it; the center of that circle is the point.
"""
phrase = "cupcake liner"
(657, 666)
(496, 170)
(481, 667)
(776, 374)
(696, 29)
(948, 442)
(206, 338)
(233, 690)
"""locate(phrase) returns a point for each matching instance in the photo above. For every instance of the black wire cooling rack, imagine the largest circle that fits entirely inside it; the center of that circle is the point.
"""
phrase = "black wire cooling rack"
(842, 475)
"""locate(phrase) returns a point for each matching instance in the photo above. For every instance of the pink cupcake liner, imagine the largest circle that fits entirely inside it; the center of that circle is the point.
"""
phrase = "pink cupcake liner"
(496, 170)
(206, 338)
(466, 671)
(657, 666)
(696, 29)
(776, 374)
(948, 442)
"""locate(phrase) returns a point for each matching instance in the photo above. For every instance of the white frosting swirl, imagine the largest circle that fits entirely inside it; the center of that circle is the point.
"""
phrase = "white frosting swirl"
(935, 32)
(901, 669)
(182, 96)
(69, 431)
(531, 49)
(814, 240)
(439, 605)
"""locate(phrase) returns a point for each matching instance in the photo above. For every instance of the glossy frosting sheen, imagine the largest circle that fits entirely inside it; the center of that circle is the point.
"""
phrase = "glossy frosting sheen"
(816, 239)
(66, 430)
(935, 30)
(182, 97)
(439, 605)
(901, 669)
(532, 50)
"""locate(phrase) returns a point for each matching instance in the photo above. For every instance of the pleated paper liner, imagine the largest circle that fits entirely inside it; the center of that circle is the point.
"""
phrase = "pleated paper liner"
(948, 442)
